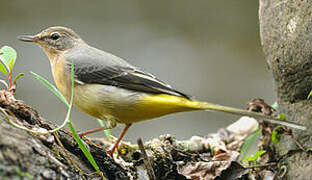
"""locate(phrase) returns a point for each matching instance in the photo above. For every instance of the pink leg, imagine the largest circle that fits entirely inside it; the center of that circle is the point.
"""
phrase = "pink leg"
(93, 131)
(111, 152)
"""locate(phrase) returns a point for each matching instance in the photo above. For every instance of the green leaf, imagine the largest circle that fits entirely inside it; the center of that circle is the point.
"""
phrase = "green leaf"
(17, 77)
(282, 116)
(253, 158)
(107, 131)
(83, 148)
(276, 136)
(3, 68)
(51, 88)
(248, 143)
(8, 57)
(310, 94)
(11, 64)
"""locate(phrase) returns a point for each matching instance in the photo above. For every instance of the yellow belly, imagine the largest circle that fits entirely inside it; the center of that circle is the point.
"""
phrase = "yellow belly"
(115, 104)
(150, 106)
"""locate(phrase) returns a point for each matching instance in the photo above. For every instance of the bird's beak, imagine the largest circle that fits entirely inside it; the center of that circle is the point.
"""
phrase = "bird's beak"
(28, 38)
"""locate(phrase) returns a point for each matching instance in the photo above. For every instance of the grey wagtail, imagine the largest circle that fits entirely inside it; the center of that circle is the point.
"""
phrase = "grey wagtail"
(108, 88)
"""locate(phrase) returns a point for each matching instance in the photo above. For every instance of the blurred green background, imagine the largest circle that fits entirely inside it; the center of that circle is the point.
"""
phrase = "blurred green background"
(208, 49)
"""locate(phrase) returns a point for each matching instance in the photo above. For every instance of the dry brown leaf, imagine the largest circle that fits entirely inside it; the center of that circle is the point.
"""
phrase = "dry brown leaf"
(226, 156)
(212, 170)
(203, 170)
(234, 171)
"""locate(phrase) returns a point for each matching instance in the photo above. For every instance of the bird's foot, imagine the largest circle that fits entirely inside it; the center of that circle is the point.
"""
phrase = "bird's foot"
(110, 153)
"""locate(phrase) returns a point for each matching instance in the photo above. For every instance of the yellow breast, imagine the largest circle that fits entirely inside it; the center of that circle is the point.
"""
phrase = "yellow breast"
(61, 77)
(117, 104)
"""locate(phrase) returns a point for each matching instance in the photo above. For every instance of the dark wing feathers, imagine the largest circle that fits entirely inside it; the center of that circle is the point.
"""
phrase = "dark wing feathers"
(94, 66)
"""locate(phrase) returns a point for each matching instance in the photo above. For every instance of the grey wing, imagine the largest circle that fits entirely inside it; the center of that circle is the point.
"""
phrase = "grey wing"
(94, 66)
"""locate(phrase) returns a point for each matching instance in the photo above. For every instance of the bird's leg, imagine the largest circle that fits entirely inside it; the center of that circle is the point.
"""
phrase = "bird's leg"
(111, 152)
(93, 131)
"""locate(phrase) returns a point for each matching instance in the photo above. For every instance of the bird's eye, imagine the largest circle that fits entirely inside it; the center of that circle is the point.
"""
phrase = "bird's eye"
(55, 36)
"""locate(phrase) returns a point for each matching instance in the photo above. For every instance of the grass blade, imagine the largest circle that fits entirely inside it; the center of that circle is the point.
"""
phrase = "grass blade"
(51, 88)
(248, 143)
(83, 148)
(107, 131)
(80, 143)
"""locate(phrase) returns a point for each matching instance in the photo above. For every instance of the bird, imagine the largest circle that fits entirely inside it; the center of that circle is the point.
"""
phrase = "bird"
(110, 89)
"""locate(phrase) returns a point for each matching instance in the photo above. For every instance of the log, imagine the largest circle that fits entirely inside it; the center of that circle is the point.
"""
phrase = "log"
(24, 155)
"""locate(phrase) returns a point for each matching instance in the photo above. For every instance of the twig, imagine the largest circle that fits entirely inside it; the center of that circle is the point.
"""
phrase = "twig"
(147, 163)
(6, 116)
(297, 143)
(262, 165)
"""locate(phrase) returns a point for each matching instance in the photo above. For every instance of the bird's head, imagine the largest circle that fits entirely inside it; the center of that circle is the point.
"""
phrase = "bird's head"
(54, 39)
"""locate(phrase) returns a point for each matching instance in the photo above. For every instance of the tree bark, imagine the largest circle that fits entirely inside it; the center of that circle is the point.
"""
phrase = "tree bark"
(286, 37)
(24, 155)
(27, 156)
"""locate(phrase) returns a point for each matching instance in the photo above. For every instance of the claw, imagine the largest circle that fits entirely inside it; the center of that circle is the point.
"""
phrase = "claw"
(80, 134)
(110, 153)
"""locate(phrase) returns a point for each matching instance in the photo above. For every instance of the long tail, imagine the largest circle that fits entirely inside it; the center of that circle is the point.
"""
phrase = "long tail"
(162, 104)
(242, 112)
(226, 109)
